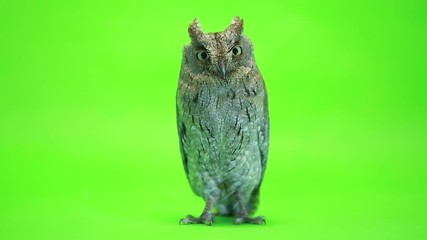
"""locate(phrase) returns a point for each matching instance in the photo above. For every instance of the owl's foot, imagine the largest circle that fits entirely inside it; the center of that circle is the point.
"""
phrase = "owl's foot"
(260, 220)
(204, 219)
(243, 216)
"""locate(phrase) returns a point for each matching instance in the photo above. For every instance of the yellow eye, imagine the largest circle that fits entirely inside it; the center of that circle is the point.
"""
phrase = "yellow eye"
(202, 55)
(237, 50)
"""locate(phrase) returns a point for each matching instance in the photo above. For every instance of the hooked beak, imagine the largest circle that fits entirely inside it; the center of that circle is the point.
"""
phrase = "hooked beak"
(222, 68)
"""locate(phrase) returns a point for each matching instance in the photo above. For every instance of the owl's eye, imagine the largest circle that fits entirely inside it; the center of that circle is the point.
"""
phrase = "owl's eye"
(202, 55)
(237, 50)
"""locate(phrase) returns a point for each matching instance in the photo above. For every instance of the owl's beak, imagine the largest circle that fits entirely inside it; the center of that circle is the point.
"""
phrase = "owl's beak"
(222, 67)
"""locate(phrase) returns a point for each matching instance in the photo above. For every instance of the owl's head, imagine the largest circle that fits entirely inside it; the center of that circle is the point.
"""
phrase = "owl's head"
(218, 53)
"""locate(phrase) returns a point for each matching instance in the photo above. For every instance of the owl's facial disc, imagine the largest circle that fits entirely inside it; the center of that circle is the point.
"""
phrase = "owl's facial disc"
(220, 61)
(227, 62)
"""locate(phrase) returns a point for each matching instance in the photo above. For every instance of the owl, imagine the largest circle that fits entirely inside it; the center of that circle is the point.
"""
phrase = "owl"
(223, 123)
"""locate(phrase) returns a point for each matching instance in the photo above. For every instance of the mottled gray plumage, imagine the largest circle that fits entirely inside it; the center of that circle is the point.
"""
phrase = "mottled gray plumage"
(223, 122)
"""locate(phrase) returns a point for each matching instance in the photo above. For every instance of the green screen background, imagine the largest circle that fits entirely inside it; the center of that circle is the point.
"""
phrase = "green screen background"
(88, 141)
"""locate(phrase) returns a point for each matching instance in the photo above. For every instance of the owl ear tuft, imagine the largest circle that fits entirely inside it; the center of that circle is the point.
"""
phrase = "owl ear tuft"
(236, 26)
(195, 30)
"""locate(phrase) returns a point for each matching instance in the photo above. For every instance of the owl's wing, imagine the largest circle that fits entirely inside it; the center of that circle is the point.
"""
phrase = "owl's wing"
(182, 134)
(182, 131)
(263, 136)
(263, 143)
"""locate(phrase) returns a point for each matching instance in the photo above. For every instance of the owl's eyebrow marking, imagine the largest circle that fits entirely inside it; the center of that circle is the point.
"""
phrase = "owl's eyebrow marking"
(233, 45)
(200, 48)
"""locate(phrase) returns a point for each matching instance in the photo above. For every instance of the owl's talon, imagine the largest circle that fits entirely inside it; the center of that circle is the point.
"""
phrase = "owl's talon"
(260, 220)
(207, 220)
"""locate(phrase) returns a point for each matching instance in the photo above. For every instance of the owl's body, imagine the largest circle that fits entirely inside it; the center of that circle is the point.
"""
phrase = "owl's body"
(223, 122)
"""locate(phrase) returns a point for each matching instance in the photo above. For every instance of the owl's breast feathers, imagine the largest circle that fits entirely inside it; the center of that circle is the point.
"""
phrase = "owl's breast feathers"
(223, 122)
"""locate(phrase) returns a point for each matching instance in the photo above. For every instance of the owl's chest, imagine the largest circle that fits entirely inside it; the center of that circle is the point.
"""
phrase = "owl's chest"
(221, 111)
(219, 105)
